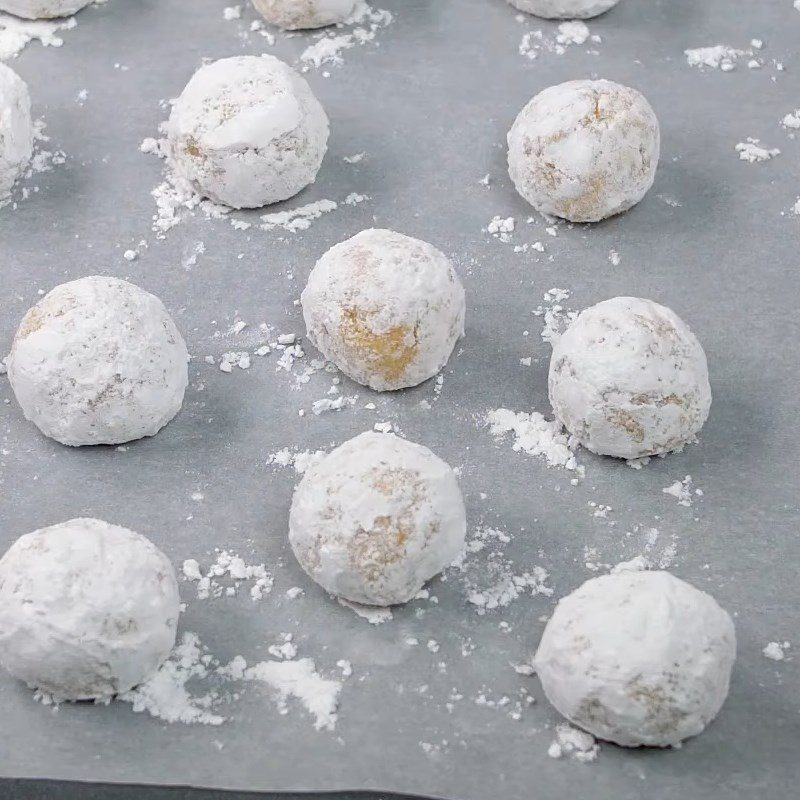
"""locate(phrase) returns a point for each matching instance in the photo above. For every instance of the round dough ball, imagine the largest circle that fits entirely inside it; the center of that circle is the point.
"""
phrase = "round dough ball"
(629, 379)
(564, 9)
(98, 361)
(301, 14)
(584, 150)
(43, 9)
(16, 128)
(385, 308)
(638, 658)
(247, 131)
(376, 519)
(87, 609)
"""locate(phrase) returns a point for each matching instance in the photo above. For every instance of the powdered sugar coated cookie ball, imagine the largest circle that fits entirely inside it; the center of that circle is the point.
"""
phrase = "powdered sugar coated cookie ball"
(16, 128)
(98, 361)
(299, 14)
(564, 9)
(376, 519)
(247, 131)
(87, 609)
(385, 308)
(584, 150)
(629, 379)
(638, 658)
(43, 9)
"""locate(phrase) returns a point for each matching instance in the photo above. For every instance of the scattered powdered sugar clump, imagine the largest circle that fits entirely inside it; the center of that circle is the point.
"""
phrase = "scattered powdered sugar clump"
(683, 491)
(574, 743)
(752, 151)
(493, 581)
(792, 121)
(16, 33)
(536, 436)
(300, 460)
(300, 219)
(501, 228)
(570, 32)
(236, 572)
(776, 651)
(175, 194)
(725, 58)
(165, 695)
(296, 678)
(555, 316)
(329, 46)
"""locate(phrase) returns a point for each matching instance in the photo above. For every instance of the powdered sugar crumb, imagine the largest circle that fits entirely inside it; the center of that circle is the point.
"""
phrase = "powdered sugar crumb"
(536, 436)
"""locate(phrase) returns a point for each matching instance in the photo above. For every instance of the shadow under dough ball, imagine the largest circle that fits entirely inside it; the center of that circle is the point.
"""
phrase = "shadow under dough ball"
(295, 15)
(628, 378)
(88, 610)
(248, 131)
(637, 658)
(564, 9)
(43, 9)
(376, 519)
(98, 361)
(584, 150)
(387, 309)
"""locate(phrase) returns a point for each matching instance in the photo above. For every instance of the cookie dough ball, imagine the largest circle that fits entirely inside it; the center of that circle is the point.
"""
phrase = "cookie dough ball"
(638, 658)
(247, 131)
(87, 609)
(43, 9)
(629, 379)
(564, 9)
(299, 14)
(16, 128)
(584, 150)
(376, 519)
(385, 308)
(98, 361)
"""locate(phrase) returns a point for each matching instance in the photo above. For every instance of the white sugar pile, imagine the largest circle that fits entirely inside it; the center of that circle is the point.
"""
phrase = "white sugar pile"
(16, 33)
(718, 56)
(165, 695)
(683, 491)
(570, 33)
(776, 651)
(301, 460)
(752, 151)
(574, 743)
(491, 580)
(536, 436)
(175, 195)
(555, 316)
(227, 575)
(300, 219)
(330, 45)
(297, 679)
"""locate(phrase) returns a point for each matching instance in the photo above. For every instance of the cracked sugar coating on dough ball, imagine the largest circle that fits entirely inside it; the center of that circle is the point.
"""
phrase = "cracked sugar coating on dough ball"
(98, 361)
(629, 379)
(302, 14)
(16, 129)
(584, 150)
(385, 308)
(247, 131)
(376, 519)
(87, 609)
(564, 9)
(638, 658)
(43, 9)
